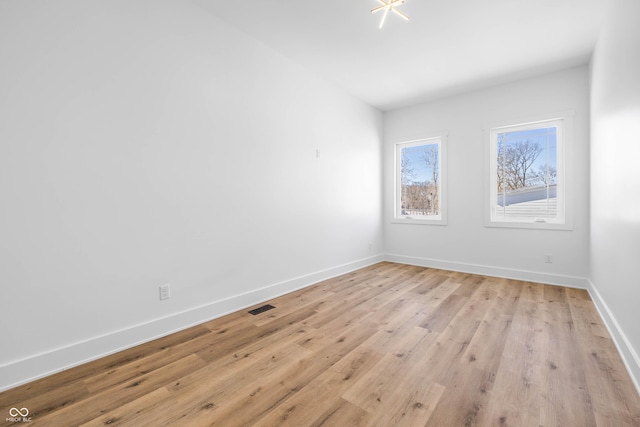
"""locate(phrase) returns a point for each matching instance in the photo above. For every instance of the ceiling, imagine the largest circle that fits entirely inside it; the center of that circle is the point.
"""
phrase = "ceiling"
(447, 47)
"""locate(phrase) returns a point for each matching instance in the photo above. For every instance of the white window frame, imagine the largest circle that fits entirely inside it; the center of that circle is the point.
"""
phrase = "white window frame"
(563, 122)
(397, 218)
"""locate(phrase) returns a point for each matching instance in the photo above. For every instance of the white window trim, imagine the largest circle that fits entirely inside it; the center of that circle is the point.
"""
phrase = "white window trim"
(442, 160)
(565, 173)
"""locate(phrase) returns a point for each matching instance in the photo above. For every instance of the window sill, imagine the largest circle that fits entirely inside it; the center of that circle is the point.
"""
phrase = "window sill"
(415, 221)
(529, 225)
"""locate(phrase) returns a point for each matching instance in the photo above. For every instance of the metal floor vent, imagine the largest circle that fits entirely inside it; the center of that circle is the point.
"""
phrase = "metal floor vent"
(261, 309)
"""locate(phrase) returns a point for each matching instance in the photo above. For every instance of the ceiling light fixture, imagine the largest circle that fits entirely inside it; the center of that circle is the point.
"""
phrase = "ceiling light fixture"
(389, 5)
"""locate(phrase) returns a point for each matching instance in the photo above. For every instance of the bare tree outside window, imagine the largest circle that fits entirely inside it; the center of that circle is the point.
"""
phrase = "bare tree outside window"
(420, 180)
(526, 172)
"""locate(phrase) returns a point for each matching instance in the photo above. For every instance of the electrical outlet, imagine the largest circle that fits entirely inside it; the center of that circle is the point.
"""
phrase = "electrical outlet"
(165, 291)
(548, 259)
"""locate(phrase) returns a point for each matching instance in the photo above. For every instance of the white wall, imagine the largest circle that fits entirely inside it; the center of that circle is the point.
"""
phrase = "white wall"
(147, 142)
(465, 243)
(615, 177)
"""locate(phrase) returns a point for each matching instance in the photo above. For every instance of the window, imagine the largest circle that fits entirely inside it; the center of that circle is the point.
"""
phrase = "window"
(419, 186)
(526, 174)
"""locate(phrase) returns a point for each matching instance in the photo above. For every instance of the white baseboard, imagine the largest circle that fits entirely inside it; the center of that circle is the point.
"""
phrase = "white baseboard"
(627, 352)
(41, 365)
(528, 276)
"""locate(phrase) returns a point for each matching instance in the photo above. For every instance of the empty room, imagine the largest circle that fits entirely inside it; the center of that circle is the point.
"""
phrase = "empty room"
(305, 213)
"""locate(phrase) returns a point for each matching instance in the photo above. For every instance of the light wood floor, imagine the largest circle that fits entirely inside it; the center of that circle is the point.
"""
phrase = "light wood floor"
(388, 345)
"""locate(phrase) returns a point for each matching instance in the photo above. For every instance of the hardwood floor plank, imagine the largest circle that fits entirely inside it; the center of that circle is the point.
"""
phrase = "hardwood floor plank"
(196, 392)
(443, 314)
(311, 402)
(382, 383)
(146, 410)
(267, 392)
(439, 293)
(105, 401)
(342, 414)
(402, 391)
(50, 401)
(515, 397)
(487, 345)
(56, 381)
(387, 345)
(195, 397)
(240, 335)
(606, 373)
(311, 297)
(342, 302)
(464, 399)
(565, 391)
(415, 409)
(391, 332)
(427, 280)
(147, 364)
(200, 398)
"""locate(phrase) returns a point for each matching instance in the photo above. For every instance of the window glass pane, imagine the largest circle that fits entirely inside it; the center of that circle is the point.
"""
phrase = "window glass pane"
(420, 181)
(526, 174)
